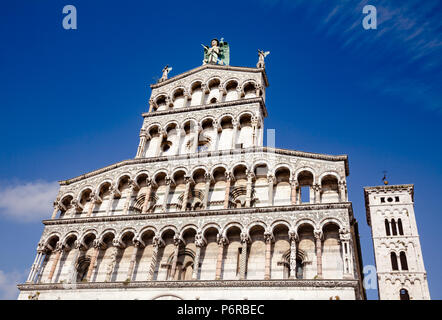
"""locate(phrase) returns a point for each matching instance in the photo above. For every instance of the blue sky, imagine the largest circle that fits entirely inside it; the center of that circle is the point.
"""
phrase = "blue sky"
(71, 100)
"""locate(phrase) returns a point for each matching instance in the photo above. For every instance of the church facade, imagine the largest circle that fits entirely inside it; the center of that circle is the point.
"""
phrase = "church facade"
(204, 210)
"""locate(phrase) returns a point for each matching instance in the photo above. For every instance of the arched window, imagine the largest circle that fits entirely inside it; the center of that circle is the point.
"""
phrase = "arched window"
(387, 227)
(403, 258)
(394, 264)
(403, 294)
(399, 225)
(393, 227)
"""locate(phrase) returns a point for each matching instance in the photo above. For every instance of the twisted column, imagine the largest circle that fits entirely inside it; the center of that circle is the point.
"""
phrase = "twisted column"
(293, 238)
(156, 243)
(243, 258)
(249, 188)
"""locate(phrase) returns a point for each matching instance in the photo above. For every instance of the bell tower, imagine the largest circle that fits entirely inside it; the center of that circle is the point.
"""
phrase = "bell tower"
(398, 255)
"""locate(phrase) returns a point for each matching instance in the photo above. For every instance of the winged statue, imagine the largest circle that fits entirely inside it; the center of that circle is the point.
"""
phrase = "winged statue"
(217, 53)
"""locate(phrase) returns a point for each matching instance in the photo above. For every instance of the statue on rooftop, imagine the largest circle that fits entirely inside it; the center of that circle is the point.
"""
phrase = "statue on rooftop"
(218, 53)
(261, 56)
(166, 71)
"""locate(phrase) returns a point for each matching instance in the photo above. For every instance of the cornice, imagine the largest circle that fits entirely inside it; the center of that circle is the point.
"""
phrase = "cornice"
(219, 212)
(290, 283)
(259, 100)
(211, 154)
(211, 66)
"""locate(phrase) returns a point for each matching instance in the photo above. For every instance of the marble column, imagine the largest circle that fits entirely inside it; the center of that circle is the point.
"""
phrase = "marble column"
(318, 236)
(271, 181)
(133, 260)
(215, 138)
(58, 250)
(342, 191)
(73, 273)
(254, 131)
(156, 243)
(293, 238)
(142, 144)
(235, 132)
(347, 260)
(219, 261)
(129, 197)
(199, 243)
(249, 188)
(92, 264)
(146, 203)
(111, 201)
(166, 194)
(196, 130)
(293, 194)
(206, 191)
(186, 194)
(317, 191)
(35, 265)
(243, 258)
(177, 242)
(203, 93)
(227, 191)
(151, 104)
(56, 209)
(92, 200)
(113, 260)
(268, 241)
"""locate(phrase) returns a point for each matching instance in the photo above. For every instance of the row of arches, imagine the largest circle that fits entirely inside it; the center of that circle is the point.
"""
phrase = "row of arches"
(259, 252)
(203, 189)
(205, 92)
(209, 134)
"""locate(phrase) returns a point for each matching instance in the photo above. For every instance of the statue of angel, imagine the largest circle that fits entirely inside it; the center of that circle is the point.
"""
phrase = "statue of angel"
(166, 71)
(218, 53)
(262, 55)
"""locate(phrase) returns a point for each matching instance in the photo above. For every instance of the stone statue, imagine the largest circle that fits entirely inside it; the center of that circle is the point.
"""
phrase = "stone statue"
(218, 53)
(261, 56)
(166, 71)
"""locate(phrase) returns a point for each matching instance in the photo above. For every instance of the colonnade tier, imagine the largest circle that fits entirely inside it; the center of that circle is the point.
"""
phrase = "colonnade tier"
(280, 251)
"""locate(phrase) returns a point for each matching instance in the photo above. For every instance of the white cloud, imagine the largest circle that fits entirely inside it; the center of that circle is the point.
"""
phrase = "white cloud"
(28, 202)
(8, 284)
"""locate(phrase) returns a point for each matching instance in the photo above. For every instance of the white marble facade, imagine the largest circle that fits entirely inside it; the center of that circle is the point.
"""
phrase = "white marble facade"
(204, 210)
